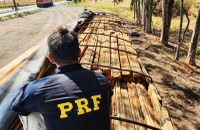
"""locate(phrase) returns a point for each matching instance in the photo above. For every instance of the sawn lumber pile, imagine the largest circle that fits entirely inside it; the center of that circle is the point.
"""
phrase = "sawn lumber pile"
(106, 48)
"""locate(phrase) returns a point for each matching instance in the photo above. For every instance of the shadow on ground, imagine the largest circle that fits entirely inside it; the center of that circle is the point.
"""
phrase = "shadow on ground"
(176, 82)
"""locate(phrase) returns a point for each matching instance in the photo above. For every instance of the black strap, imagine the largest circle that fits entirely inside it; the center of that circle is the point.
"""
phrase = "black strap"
(133, 122)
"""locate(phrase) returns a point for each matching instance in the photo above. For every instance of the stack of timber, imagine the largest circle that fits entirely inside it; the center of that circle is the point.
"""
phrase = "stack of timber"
(106, 48)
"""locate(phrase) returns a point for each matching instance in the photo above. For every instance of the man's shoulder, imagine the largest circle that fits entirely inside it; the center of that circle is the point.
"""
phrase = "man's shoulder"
(42, 80)
(101, 78)
(97, 74)
(39, 83)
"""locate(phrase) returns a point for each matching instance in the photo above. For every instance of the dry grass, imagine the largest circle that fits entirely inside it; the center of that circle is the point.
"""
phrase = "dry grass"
(123, 10)
(19, 15)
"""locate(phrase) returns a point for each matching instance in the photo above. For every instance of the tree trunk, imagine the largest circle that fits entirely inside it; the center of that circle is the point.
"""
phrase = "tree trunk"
(138, 13)
(180, 41)
(134, 10)
(180, 30)
(143, 13)
(148, 15)
(167, 6)
(194, 41)
(15, 5)
(5, 2)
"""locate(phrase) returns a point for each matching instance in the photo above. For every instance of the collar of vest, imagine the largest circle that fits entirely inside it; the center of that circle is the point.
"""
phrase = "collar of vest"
(68, 68)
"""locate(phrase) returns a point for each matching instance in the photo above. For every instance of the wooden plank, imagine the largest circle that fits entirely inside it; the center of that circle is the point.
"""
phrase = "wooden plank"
(88, 53)
(135, 105)
(167, 121)
(117, 124)
(105, 54)
(147, 109)
(126, 105)
(121, 107)
(134, 64)
(123, 58)
(97, 52)
(113, 108)
(87, 57)
(16, 124)
(85, 37)
(115, 60)
(81, 37)
(83, 48)
(124, 64)
(155, 102)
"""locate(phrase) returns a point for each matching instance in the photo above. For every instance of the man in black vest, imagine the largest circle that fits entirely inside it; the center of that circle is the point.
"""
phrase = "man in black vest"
(72, 99)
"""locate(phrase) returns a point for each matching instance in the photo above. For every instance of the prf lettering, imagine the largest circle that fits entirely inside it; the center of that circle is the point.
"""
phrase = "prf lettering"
(82, 105)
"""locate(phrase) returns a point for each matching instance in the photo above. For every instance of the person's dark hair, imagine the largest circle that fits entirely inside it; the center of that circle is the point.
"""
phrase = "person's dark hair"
(63, 45)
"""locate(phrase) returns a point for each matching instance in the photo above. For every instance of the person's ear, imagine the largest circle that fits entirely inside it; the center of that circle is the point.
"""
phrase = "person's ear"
(51, 59)
(79, 53)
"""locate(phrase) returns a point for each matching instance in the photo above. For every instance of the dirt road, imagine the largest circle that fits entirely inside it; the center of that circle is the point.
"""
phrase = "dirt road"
(20, 34)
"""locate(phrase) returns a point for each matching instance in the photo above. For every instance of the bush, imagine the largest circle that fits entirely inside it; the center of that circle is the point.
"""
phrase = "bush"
(198, 54)
(188, 4)
(157, 5)
(176, 8)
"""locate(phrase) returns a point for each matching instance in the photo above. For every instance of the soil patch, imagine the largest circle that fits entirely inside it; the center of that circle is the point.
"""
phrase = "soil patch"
(177, 83)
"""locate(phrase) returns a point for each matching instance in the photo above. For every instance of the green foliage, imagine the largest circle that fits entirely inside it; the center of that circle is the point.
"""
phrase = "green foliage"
(176, 8)
(5, 7)
(157, 23)
(188, 4)
(198, 54)
(157, 7)
(183, 53)
(21, 14)
(79, 1)
(117, 1)
(132, 4)
(71, 3)
(149, 7)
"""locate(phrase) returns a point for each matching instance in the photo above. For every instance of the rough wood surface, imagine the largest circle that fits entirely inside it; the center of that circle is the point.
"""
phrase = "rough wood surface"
(131, 99)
